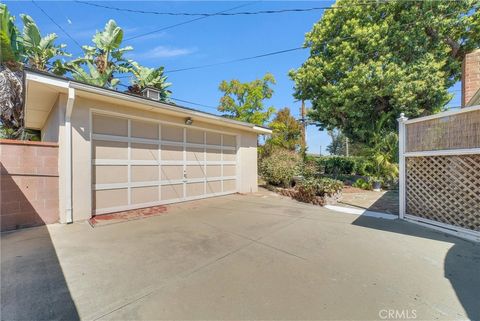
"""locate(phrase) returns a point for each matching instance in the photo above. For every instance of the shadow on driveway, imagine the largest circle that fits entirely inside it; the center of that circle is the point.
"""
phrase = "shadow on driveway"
(461, 264)
(33, 286)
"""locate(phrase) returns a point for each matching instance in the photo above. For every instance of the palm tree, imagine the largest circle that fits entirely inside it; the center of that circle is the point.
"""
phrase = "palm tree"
(104, 59)
(149, 77)
(39, 50)
(92, 75)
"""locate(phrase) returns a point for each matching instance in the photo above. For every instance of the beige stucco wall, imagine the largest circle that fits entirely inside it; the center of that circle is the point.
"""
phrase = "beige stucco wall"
(81, 150)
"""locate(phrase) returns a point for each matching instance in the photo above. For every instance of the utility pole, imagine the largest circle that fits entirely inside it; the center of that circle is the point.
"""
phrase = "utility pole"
(346, 145)
(304, 125)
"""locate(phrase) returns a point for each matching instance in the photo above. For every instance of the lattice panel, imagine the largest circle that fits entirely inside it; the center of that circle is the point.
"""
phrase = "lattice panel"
(445, 189)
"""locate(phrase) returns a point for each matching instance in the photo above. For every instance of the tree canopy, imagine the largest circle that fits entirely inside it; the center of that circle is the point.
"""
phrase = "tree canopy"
(245, 101)
(286, 131)
(386, 57)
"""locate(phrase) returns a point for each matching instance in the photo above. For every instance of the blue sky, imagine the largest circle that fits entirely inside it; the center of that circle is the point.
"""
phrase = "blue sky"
(206, 41)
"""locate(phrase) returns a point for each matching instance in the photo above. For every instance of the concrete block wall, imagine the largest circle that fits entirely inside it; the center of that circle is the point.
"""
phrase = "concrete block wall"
(28, 184)
(470, 76)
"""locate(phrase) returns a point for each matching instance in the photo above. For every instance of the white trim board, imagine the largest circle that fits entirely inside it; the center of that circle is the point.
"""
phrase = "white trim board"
(443, 114)
(444, 152)
(446, 228)
(360, 212)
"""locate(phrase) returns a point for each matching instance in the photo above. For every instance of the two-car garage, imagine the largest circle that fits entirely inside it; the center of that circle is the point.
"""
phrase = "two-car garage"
(119, 151)
(138, 163)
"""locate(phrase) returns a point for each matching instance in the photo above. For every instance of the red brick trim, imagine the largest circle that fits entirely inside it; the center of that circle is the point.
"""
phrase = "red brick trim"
(27, 142)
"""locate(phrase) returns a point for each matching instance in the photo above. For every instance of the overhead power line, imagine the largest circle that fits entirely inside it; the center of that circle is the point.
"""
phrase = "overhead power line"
(204, 14)
(188, 21)
(237, 60)
(283, 51)
(178, 99)
(193, 103)
(59, 26)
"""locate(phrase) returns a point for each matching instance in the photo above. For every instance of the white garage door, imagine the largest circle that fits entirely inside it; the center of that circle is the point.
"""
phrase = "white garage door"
(137, 163)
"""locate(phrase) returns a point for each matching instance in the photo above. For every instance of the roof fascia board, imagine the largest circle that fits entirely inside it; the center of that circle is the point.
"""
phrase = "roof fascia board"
(65, 83)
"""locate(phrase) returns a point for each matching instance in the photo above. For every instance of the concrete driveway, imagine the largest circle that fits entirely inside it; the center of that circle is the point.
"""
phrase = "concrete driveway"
(257, 256)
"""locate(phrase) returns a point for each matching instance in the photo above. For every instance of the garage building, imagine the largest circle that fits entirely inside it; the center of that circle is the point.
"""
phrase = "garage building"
(119, 151)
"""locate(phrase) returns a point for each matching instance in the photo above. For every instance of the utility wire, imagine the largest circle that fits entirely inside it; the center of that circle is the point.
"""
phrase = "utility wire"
(188, 21)
(59, 26)
(237, 60)
(219, 13)
(193, 103)
(281, 51)
(180, 100)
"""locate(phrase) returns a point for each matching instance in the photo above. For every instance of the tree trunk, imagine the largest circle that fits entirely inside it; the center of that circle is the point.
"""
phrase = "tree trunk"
(11, 101)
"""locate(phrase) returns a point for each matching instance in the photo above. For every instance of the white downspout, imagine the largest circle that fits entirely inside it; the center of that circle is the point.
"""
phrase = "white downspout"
(402, 165)
(68, 159)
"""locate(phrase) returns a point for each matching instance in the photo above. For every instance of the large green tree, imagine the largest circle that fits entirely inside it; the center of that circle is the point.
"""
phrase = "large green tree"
(368, 59)
(245, 101)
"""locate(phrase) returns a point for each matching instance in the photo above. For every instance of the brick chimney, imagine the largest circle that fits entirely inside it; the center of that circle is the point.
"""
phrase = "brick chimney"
(470, 76)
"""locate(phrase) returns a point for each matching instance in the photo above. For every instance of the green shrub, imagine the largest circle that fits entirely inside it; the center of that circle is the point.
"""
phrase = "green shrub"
(336, 164)
(279, 167)
(364, 166)
(363, 184)
(308, 169)
(309, 188)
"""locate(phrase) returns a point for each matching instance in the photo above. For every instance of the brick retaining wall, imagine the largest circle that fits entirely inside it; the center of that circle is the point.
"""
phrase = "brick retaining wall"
(28, 184)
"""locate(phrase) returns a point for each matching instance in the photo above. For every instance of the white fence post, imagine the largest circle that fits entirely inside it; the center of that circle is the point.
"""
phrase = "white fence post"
(401, 164)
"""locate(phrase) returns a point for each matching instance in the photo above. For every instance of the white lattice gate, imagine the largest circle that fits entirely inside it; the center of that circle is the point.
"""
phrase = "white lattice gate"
(440, 171)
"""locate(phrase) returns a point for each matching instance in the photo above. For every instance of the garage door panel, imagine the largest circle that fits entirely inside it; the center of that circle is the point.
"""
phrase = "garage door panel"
(144, 173)
(229, 185)
(172, 152)
(170, 192)
(214, 187)
(110, 150)
(195, 189)
(110, 198)
(195, 154)
(229, 155)
(195, 171)
(172, 172)
(140, 151)
(214, 138)
(229, 170)
(214, 154)
(229, 140)
(214, 170)
(110, 174)
(140, 129)
(195, 136)
(172, 133)
(175, 162)
(147, 194)
(108, 125)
